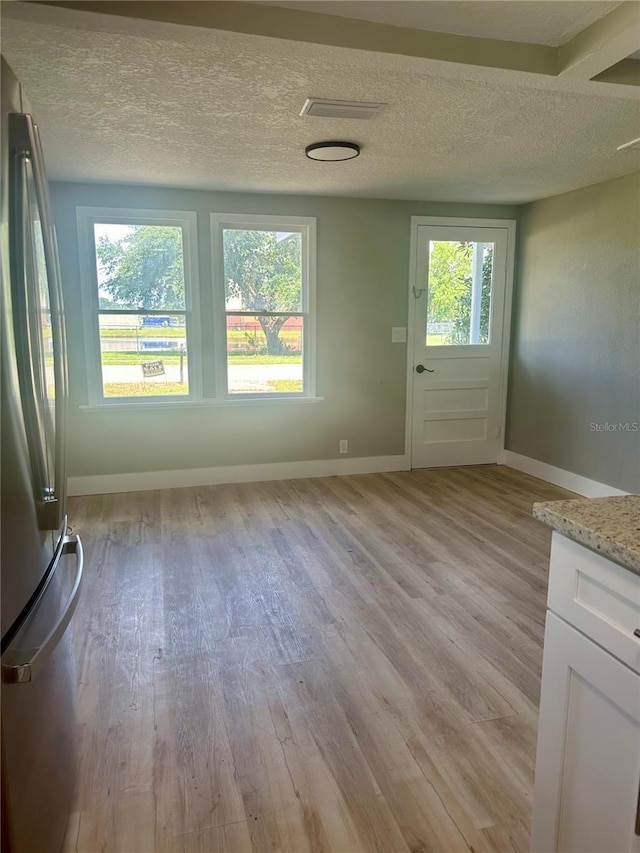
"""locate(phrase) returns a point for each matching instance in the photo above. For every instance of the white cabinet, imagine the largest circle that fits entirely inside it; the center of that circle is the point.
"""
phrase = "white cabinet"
(596, 596)
(587, 789)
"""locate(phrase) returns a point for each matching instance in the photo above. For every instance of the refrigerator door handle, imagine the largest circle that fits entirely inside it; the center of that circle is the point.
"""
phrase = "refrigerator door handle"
(57, 312)
(26, 371)
(26, 146)
(20, 666)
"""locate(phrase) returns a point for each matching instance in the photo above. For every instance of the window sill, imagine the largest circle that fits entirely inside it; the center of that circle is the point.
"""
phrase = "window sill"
(137, 405)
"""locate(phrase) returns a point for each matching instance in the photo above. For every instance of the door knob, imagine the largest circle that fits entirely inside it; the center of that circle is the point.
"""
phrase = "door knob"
(422, 369)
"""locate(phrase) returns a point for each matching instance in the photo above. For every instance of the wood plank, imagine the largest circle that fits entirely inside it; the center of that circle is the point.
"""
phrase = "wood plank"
(341, 664)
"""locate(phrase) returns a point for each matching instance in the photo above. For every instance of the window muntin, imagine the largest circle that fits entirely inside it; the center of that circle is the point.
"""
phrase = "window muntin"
(264, 267)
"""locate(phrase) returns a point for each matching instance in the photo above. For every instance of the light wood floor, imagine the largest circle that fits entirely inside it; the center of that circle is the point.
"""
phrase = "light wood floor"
(341, 664)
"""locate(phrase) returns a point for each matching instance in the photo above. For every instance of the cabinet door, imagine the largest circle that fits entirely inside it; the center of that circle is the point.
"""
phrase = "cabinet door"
(588, 763)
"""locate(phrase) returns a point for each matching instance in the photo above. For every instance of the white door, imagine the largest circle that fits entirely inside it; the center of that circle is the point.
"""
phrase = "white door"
(587, 789)
(459, 286)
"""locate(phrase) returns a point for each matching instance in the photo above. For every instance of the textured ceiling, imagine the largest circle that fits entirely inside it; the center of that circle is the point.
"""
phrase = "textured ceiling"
(550, 22)
(142, 102)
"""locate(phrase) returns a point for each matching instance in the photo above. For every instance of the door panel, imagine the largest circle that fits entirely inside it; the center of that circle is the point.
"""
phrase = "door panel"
(26, 549)
(459, 296)
(460, 428)
(587, 782)
(451, 400)
(38, 724)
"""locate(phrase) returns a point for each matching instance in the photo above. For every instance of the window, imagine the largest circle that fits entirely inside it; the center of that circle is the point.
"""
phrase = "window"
(264, 298)
(146, 340)
(137, 270)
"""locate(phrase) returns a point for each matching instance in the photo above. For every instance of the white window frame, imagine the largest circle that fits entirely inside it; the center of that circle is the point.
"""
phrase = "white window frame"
(304, 225)
(86, 218)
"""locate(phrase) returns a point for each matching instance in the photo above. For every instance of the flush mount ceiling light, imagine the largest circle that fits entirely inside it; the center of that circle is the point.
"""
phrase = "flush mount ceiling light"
(332, 151)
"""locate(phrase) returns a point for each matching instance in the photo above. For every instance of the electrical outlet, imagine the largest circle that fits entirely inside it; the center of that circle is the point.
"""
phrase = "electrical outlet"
(344, 445)
(398, 334)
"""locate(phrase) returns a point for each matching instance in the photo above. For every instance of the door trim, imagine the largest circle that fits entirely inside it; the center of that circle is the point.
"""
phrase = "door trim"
(510, 226)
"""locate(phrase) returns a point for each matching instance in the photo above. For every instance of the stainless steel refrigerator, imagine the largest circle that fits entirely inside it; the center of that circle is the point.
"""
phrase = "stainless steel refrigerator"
(41, 562)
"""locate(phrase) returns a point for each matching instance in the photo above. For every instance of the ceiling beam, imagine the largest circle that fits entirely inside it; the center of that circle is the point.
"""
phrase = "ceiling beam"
(331, 30)
(625, 73)
(605, 43)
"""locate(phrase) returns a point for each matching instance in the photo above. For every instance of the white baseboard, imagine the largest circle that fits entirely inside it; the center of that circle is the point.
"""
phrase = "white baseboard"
(558, 476)
(104, 484)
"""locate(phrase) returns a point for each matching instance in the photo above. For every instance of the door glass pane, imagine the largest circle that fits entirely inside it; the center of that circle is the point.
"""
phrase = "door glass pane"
(140, 266)
(143, 355)
(459, 293)
(264, 354)
(262, 270)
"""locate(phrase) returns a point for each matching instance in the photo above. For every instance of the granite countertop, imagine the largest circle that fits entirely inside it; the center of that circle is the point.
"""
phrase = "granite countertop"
(610, 526)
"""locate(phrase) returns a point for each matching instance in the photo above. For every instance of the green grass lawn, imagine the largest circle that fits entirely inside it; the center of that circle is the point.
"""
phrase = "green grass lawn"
(285, 385)
(138, 357)
(172, 357)
(167, 389)
(144, 389)
(248, 359)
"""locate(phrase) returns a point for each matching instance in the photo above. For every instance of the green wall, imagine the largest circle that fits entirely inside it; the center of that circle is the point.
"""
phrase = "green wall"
(575, 357)
(362, 287)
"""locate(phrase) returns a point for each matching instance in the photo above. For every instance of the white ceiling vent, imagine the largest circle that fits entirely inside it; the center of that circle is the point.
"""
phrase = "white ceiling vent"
(323, 108)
